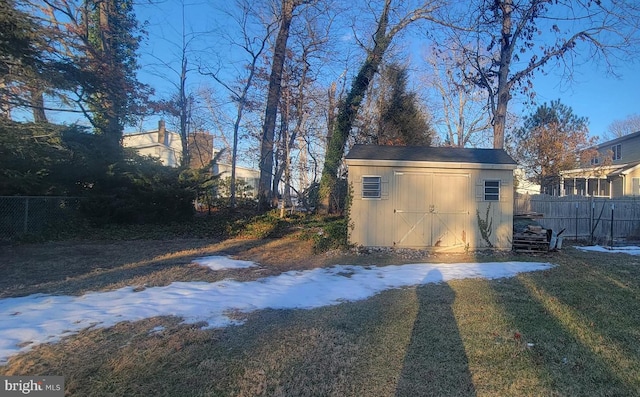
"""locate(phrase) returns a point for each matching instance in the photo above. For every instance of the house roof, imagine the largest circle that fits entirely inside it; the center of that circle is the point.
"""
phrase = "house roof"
(618, 140)
(431, 154)
(137, 133)
(624, 170)
(608, 171)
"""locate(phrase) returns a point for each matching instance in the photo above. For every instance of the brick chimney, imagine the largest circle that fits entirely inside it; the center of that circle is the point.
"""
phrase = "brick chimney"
(162, 132)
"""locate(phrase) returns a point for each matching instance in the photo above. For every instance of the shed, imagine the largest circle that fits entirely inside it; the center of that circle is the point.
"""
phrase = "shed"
(430, 197)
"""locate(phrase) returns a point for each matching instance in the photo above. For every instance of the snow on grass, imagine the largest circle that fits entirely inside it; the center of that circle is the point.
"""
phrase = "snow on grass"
(631, 250)
(223, 262)
(31, 320)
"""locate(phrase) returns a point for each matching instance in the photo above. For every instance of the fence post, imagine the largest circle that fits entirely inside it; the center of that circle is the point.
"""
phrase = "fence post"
(26, 215)
(612, 207)
(592, 219)
(577, 204)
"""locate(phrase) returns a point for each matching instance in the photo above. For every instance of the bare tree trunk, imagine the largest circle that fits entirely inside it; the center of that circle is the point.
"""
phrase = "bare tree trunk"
(504, 88)
(110, 121)
(254, 48)
(184, 105)
(37, 106)
(265, 194)
(348, 109)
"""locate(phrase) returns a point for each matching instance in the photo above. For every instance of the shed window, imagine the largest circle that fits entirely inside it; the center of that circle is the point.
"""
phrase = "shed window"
(371, 186)
(492, 190)
(617, 152)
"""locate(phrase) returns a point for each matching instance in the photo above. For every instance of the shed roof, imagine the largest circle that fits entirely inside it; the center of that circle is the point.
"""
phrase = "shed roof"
(428, 153)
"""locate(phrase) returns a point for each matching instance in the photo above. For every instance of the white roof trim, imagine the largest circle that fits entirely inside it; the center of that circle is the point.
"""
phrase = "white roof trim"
(592, 169)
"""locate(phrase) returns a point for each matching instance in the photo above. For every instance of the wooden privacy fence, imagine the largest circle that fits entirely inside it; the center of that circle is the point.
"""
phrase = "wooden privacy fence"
(597, 219)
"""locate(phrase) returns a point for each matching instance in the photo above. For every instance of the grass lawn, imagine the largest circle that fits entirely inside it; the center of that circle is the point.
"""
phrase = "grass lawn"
(571, 330)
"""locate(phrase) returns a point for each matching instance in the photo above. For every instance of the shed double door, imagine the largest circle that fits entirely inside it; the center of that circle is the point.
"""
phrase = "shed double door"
(431, 209)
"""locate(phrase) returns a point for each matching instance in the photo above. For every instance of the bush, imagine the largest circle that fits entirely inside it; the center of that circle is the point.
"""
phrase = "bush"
(334, 235)
(117, 186)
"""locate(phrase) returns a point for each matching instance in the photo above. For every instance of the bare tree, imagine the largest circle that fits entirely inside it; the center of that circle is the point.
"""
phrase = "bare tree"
(180, 104)
(253, 46)
(299, 107)
(265, 194)
(623, 127)
(463, 108)
(510, 40)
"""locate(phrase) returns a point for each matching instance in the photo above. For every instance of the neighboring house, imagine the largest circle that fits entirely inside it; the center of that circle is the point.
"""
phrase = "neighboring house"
(161, 143)
(523, 185)
(430, 197)
(250, 177)
(613, 172)
(167, 146)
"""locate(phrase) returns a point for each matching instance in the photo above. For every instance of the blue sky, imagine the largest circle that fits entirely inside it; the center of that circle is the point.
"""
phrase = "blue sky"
(600, 97)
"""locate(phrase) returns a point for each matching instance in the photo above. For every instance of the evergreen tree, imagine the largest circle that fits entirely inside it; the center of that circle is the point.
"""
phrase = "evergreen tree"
(402, 122)
(25, 70)
(110, 39)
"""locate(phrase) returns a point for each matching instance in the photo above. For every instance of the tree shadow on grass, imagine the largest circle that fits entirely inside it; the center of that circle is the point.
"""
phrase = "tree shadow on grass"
(572, 354)
(435, 363)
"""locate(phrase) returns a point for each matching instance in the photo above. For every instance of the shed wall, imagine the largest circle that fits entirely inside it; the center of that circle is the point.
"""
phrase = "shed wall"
(429, 207)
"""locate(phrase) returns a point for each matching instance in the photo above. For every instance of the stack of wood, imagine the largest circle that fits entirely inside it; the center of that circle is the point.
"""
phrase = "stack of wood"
(533, 239)
(529, 215)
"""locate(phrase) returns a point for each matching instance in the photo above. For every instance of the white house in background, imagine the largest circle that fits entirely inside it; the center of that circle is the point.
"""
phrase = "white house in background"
(524, 186)
(247, 175)
(167, 146)
(161, 143)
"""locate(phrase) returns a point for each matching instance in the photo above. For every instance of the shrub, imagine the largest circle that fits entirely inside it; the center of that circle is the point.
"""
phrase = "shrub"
(334, 235)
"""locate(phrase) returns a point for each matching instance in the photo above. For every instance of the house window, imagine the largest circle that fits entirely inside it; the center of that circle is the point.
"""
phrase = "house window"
(371, 186)
(492, 190)
(617, 152)
(635, 186)
(595, 161)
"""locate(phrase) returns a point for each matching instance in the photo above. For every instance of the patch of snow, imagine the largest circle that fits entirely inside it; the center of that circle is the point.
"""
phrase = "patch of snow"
(31, 320)
(631, 250)
(156, 330)
(223, 262)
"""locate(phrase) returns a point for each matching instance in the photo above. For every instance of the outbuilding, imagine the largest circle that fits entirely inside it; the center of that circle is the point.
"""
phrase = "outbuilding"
(444, 198)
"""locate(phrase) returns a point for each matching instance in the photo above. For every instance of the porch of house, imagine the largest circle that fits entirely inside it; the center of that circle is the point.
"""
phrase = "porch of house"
(586, 186)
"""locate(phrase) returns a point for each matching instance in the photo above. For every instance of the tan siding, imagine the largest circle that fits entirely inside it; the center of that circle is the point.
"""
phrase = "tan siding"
(633, 174)
(370, 217)
(630, 151)
(617, 188)
(454, 221)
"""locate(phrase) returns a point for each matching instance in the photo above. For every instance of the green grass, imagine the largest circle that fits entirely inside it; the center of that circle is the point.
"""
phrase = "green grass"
(569, 331)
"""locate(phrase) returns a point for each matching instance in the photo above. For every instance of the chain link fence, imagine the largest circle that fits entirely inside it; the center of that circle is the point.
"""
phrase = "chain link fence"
(35, 215)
